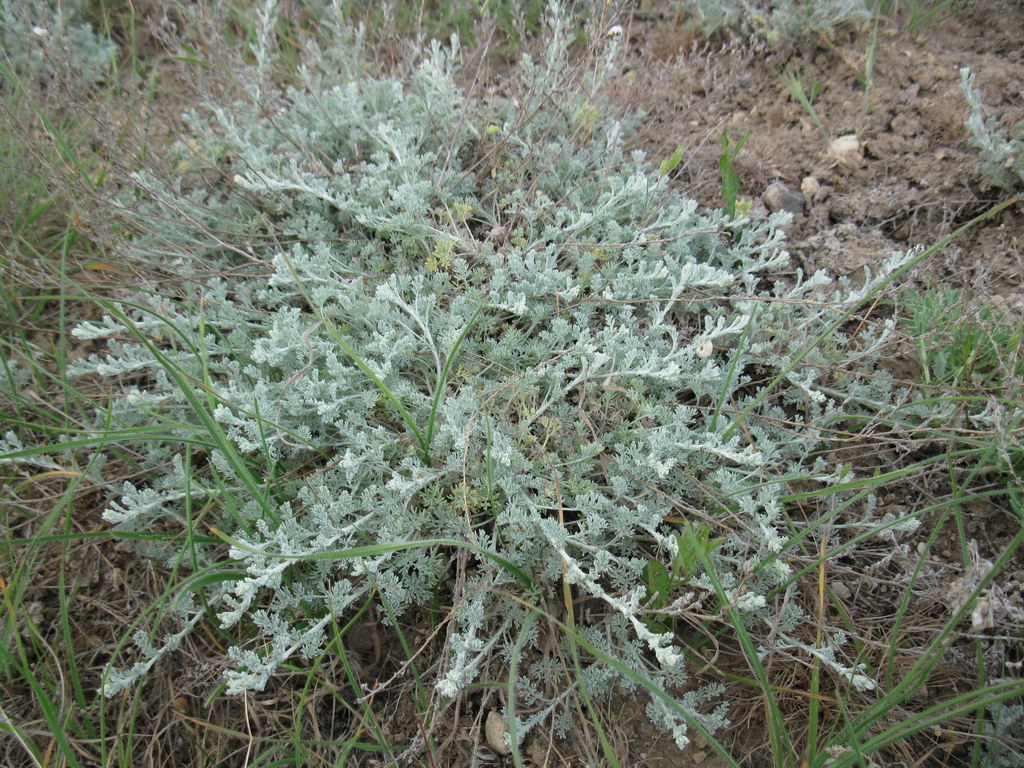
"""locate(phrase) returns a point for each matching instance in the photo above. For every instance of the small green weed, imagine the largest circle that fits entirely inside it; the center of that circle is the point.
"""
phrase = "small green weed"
(805, 97)
(670, 163)
(868, 73)
(727, 171)
(663, 584)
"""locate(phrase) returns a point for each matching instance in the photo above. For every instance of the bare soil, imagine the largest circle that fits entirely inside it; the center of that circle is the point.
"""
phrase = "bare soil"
(918, 179)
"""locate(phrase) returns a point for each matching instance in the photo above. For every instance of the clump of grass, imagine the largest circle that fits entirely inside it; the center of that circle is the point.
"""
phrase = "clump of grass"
(963, 344)
(515, 21)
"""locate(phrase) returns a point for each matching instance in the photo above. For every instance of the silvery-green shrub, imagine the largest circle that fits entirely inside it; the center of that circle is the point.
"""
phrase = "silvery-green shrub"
(406, 315)
(776, 20)
(1004, 727)
(1002, 157)
(40, 37)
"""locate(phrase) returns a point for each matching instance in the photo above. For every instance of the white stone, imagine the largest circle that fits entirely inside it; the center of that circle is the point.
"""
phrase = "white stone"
(495, 729)
(846, 150)
(809, 186)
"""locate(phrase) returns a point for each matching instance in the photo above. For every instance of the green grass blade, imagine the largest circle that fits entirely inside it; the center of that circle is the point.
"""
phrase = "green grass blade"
(510, 687)
(443, 379)
(372, 550)
(212, 427)
(778, 735)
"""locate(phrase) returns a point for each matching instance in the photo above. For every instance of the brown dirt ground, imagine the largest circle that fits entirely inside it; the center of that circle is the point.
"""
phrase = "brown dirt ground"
(918, 178)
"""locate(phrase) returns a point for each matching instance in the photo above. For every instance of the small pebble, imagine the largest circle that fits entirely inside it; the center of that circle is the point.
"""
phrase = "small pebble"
(809, 186)
(846, 150)
(495, 729)
(780, 197)
(841, 591)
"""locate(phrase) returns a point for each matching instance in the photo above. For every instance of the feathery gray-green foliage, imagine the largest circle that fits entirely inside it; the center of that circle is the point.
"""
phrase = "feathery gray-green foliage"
(408, 315)
(39, 36)
(1005, 729)
(777, 20)
(1002, 156)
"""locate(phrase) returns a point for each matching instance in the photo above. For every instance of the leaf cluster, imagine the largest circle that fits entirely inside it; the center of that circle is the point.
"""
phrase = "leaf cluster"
(422, 340)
